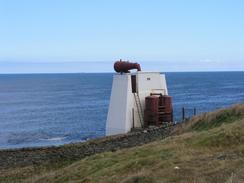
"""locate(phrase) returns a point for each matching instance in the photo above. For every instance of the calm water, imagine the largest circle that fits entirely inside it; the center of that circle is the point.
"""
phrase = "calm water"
(53, 109)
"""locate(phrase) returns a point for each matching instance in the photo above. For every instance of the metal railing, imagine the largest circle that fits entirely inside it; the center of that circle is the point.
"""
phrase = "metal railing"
(186, 111)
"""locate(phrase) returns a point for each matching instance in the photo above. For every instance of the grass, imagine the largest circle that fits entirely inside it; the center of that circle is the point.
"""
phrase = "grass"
(211, 120)
(207, 148)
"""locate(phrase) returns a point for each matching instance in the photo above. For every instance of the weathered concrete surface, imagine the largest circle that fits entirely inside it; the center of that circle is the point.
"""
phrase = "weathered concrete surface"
(70, 152)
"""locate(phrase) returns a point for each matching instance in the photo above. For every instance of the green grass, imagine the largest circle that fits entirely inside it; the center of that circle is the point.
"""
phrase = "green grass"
(212, 119)
(208, 148)
(225, 117)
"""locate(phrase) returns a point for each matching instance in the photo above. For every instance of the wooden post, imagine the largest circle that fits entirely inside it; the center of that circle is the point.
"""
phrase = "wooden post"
(183, 113)
(133, 117)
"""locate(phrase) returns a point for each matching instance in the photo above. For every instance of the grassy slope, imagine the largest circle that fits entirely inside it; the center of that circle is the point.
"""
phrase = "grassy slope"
(208, 148)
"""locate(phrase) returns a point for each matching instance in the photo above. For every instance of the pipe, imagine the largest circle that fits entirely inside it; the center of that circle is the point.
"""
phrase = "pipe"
(124, 67)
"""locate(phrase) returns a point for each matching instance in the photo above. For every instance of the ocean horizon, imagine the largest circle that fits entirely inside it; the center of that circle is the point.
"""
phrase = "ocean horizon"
(46, 109)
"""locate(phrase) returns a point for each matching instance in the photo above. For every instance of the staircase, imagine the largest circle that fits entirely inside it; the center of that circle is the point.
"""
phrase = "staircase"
(161, 113)
(139, 109)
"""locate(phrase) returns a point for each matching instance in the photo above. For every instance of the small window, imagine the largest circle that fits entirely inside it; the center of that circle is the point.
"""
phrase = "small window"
(133, 83)
(148, 79)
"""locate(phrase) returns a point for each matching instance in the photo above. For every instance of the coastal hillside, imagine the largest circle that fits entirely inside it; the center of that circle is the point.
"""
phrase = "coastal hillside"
(206, 148)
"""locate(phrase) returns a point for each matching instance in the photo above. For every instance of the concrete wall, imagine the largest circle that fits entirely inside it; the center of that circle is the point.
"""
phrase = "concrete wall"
(121, 117)
(148, 81)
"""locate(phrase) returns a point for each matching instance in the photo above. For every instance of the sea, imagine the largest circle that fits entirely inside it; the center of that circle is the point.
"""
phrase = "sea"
(55, 109)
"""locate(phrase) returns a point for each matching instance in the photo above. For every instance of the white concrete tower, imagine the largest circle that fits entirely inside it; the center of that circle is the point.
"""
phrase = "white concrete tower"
(127, 101)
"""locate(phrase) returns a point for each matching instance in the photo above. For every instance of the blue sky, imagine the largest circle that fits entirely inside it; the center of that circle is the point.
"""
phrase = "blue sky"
(89, 35)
